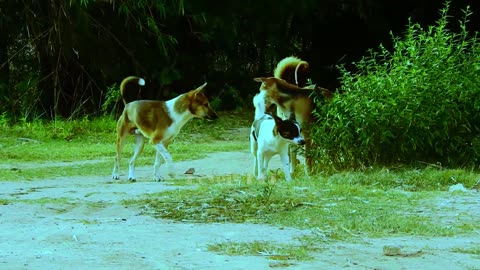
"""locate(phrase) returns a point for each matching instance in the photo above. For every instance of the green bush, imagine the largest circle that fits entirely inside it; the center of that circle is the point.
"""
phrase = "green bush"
(418, 103)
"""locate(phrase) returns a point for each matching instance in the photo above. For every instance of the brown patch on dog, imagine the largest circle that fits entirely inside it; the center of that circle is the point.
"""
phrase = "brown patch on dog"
(150, 117)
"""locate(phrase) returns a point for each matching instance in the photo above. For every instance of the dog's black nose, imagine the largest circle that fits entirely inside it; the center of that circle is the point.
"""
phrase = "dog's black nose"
(211, 116)
(301, 142)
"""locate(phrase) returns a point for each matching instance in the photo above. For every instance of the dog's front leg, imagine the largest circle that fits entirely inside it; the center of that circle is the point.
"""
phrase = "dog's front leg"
(255, 166)
(292, 151)
(284, 158)
(260, 164)
(162, 150)
(156, 166)
(139, 143)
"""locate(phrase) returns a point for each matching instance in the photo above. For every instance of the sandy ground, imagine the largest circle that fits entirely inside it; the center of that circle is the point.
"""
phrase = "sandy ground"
(88, 228)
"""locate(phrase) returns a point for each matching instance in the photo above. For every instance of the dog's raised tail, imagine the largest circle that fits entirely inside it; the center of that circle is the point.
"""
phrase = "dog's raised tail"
(293, 70)
(259, 104)
(129, 88)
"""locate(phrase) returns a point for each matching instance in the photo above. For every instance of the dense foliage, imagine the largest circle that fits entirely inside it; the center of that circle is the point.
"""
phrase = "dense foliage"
(413, 99)
(419, 102)
(58, 58)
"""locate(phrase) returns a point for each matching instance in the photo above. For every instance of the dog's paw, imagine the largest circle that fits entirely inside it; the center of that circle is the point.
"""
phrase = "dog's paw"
(159, 179)
(115, 177)
(132, 179)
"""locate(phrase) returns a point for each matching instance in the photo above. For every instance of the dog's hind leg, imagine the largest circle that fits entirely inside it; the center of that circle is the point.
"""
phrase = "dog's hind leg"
(121, 139)
(162, 150)
(253, 150)
(139, 143)
(255, 164)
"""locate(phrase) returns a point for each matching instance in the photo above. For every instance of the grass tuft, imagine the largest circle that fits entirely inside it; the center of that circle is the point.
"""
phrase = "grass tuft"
(338, 211)
(271, 250)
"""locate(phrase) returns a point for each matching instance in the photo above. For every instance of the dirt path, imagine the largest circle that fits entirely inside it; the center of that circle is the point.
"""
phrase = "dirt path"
(80, 223)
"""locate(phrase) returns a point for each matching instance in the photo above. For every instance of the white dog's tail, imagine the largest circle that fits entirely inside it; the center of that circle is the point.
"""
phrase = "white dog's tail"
(259, 104)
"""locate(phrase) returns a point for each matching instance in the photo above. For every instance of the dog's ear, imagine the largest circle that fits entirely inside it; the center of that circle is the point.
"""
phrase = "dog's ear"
(292, 117)
(277, 119)
(199, 89)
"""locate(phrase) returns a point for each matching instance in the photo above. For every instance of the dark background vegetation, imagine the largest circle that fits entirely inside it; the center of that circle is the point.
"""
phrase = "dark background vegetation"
(58, 58)
(406, 73)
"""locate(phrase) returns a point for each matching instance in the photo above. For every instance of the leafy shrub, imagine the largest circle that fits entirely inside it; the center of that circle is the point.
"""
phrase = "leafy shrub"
(112, 97)
(419, 102)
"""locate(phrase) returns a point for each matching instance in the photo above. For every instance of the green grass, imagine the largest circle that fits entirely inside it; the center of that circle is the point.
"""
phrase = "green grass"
(343, 205)
(40, 171)
(339, 210)
(271, 250)
(338, 207)
(474, 250)
(29, 149)
(412, 179)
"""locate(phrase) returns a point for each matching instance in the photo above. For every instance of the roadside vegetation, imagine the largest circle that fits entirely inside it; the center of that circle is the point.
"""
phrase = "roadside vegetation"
(396, 136)
(416, 103)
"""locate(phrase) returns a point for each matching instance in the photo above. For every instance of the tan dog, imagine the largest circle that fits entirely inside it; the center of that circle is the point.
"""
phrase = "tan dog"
(285, 92)
(157, 121)
(289, 98)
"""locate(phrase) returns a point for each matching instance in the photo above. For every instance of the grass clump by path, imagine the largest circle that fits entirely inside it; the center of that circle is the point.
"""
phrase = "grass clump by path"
(271, 250)
(473, 250)
(341, 207)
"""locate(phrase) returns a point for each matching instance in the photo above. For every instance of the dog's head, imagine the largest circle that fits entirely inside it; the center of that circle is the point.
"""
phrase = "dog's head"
(199, 104)
(289, 129)
(267, 82)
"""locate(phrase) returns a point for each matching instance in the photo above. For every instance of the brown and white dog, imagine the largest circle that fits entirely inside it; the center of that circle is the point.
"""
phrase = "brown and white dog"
(157, 121)
(288, 92)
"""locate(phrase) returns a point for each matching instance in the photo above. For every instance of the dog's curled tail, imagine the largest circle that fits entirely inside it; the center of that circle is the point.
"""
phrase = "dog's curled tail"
(259, 104)
(293, 70)
(129, 88)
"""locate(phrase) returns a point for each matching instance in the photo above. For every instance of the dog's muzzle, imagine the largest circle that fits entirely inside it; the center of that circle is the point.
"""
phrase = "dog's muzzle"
(211, 116)
(301, 142)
